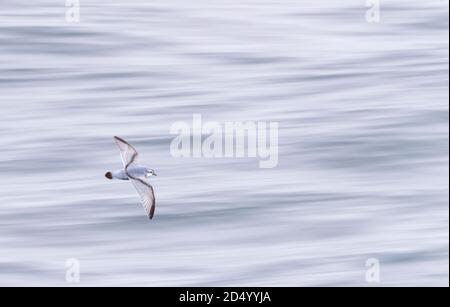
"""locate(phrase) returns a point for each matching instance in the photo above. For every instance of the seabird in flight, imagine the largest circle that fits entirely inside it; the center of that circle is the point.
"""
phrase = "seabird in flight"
(135, 173)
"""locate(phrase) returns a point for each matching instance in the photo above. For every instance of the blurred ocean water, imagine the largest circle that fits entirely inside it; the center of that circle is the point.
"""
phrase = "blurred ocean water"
(363, 147)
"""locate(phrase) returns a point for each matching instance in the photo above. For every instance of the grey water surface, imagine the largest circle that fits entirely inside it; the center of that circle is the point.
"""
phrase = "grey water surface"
(363, 142)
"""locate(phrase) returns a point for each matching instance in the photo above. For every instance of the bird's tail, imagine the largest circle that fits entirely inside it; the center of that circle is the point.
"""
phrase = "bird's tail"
(109, 175)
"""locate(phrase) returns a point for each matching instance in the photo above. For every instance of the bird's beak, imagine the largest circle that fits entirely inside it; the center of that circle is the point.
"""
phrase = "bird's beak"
(154, 174)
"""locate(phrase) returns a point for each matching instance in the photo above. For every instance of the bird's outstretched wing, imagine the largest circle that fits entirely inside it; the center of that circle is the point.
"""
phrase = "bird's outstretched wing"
(128, 153)
(145, 191)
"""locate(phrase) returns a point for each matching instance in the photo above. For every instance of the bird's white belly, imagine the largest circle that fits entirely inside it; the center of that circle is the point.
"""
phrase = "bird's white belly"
(137, 171)
(134, 171)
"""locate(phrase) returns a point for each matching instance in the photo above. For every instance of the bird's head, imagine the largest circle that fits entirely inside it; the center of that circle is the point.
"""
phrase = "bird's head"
(109, 175)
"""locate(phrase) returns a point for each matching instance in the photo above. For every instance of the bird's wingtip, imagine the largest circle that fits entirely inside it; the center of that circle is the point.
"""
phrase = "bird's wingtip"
(152, 212)
(120, 140)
